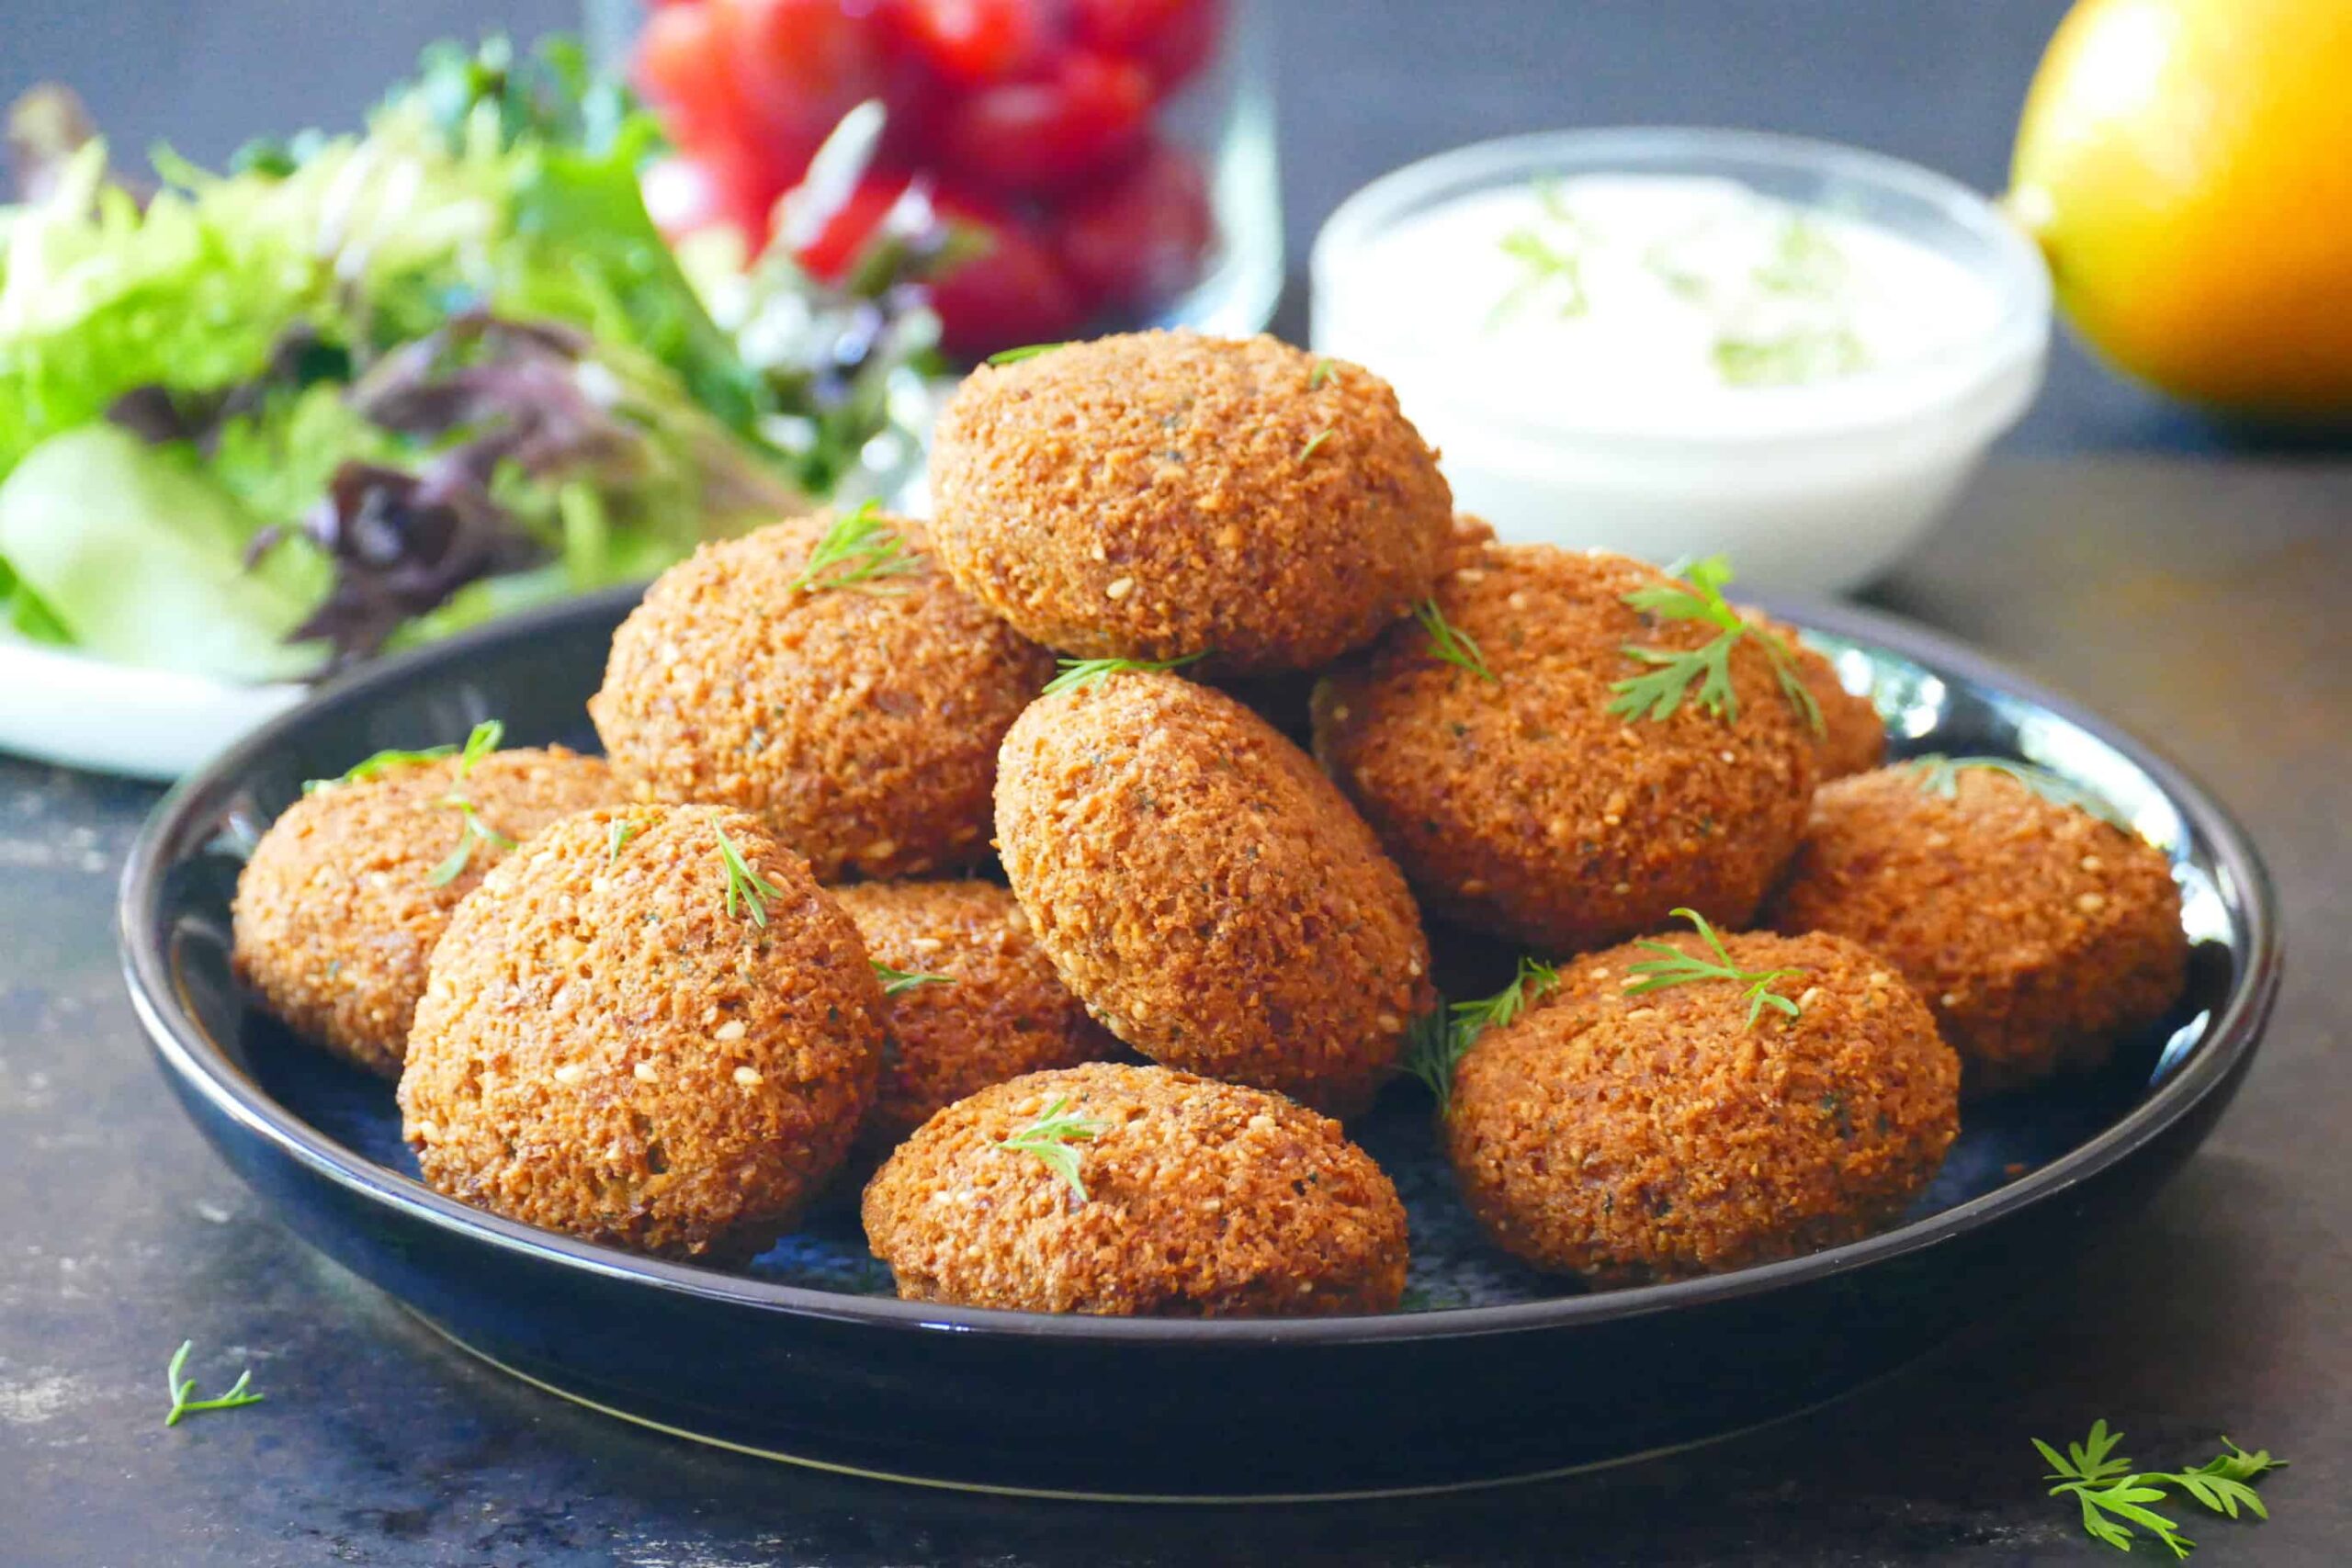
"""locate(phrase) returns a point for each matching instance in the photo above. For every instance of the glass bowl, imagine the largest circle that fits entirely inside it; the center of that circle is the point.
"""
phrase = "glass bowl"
(1814, 487)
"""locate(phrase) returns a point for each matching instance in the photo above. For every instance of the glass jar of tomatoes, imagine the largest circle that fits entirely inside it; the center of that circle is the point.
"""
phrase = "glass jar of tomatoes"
(1102, 164)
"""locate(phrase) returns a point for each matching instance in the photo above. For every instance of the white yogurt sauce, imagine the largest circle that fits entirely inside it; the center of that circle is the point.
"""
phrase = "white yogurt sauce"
(1648, 289)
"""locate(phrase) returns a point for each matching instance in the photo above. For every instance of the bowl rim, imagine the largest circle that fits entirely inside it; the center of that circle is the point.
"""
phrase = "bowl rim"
(2018, 278)
(186, 1051)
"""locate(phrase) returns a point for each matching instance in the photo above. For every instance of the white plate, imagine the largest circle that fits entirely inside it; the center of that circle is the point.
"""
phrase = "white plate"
(122, 718)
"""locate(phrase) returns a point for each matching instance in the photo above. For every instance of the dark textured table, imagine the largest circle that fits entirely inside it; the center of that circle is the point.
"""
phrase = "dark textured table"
(2202, 603)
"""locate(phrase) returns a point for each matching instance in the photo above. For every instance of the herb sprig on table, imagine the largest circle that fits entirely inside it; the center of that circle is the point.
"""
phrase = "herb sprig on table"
(184, 1389)
(2114, 1497)
(1697, 595)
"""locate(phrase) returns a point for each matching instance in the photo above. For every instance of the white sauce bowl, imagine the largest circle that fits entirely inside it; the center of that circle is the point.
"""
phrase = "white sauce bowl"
(1814, 487)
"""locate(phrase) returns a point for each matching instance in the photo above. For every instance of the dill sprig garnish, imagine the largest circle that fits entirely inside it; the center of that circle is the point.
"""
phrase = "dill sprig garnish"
(1049, 1138)
(1315, 441)
(2114, 1497)
(1676, 968)
(1439, 1038)
(471, 831)
(1939, 775)
(1697, 595)
(747, 890)
(1450, 643)
(484, 740)
(623, 831)
(1080, 673)
(1320, 374)
(898, 982)
(182, 1405)
(858, 551)
(1026, 350)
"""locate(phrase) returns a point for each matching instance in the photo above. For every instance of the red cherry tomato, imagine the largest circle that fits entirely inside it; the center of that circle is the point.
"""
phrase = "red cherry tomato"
(1041, 135)
(975, 40)
(842, 239)
(680, 67)
(1138, 241)
(799, 65)
(1012, 293)
(1173, 38)
(721, 185)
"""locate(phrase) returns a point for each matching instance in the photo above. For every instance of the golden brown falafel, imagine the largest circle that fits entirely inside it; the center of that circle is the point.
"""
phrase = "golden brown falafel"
(1522, 805)
(999, 1010)
(1852, 738)
(343, 899)
(1630, 1138)
(860, 721)
(1162, 495)
(630, 1036)
(1200, 1199)
(2037, 933)
(1206, 892)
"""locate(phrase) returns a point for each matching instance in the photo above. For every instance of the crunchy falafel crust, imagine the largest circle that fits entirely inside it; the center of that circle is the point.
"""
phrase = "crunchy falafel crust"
(605, 1048)
(1852, 737)
(2037, 933)
(1202, 1200)
(862, 725)
(1521, 806)
(336, 911)
(1161, 495)
(1003, 1012)
(1634, 1138)
(1206, 892)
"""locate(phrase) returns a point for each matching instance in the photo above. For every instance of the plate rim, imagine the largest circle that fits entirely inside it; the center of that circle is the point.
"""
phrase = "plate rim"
(185, 1050)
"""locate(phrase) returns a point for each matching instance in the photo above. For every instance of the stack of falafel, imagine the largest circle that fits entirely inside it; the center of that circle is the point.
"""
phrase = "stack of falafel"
(668, 999)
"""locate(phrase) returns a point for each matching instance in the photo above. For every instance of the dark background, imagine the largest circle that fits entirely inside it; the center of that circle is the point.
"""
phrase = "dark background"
(2194, 592)
(1361, 87)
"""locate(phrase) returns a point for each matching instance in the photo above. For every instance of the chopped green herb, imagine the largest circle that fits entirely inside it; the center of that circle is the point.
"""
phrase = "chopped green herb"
(1026, 350)
(1789, 360)
(898, 982)
(1439, 1039)
(1081, 673)
(623, 831)
(1315, 441)
(1049, 1138)
(747, 891)
(1676, 968)
(1453, 646)
(484, 740)
(1542, 266)
(1697, 595)
(1321, 373)
(858, 551)
(471, 831)
(181, 1389)
(1938, 774)
(2114, 1497)
(1806, 262)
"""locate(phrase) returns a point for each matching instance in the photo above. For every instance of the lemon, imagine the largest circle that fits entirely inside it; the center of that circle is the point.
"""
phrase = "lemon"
(2186, 167)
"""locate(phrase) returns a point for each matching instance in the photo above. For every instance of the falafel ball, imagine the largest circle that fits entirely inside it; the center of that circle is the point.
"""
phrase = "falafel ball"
(650, 1027)
(1165, 495)
(2037, 933)
(1206, 892)
(1632, 1139)
(860, 719)
(1186, 1198)
(996, 1011)
(1520, 804)
(343, 899)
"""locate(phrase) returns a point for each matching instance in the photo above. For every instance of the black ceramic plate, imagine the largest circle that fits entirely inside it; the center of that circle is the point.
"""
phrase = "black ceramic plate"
(1491, 1372)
